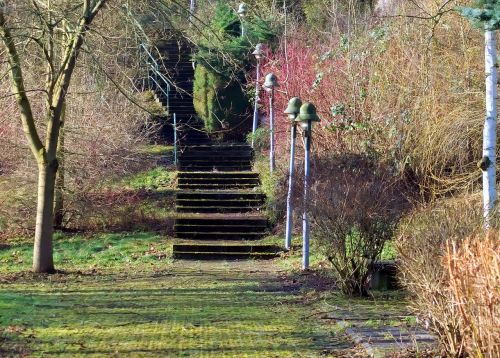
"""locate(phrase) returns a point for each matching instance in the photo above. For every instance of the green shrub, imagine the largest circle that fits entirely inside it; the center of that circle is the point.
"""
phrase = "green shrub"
(260, 138)
(220, 103)
(223, 58)
(274, 186)
(154, 179)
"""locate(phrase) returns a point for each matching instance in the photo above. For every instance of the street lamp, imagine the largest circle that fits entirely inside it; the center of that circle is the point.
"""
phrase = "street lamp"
(192, 8)
(258, 53)
(306, 117)
(269, 85)
(292, 111)
(242, 12)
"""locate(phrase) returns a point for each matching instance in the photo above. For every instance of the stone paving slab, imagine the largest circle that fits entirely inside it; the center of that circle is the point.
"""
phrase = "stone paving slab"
(381, 341)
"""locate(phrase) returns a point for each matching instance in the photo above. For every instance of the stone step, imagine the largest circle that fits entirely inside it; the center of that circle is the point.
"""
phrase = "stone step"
(214, 220)
(197, 235)
(224, 252)
(216, 186)
(222, 204)
(218, 175)
(224, 228)
(233, 256)
(216, 209)
(210, 161)
(219, 195)
(200, 155)
(216, 168)
(222, 181)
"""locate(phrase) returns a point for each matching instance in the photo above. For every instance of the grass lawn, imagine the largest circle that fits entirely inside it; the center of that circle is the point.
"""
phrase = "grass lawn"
(126, 252)
(188, 309)
(122, 295)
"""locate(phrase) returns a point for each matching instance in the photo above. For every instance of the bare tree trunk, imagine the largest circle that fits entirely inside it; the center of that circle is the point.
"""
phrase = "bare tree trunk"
(59, 74)
(59, 189)
(42, 251)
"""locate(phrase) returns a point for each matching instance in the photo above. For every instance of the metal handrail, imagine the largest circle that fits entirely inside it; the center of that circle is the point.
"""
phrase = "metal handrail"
(164, 85)
(155, 69)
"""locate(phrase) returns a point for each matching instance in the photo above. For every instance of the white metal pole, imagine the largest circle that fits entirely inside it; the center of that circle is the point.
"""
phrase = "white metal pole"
(175, 139)
(305, 218)
(256, 103)
(271, 126)
(192, 7)
(289, 204)
(243, 28)
(490, 129)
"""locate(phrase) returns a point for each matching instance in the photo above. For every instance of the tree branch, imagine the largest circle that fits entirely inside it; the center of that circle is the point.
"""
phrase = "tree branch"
(18, 88)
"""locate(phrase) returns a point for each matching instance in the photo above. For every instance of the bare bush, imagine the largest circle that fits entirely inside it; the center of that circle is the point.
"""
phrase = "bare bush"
(104, 124)
(355, 206)
(421, 246)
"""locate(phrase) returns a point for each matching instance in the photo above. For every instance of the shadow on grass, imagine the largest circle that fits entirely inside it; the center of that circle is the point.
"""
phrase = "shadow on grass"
(189, 313)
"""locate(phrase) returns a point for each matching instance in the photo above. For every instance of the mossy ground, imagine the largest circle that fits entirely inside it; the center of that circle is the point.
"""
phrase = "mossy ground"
(122, 295)
(190, 309)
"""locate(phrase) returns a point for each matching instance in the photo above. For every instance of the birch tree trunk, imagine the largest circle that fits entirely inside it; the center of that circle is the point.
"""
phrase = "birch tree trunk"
(488, 163)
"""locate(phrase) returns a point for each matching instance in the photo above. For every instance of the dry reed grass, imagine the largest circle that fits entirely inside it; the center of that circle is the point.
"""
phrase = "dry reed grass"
(455, 287)
(474, 286)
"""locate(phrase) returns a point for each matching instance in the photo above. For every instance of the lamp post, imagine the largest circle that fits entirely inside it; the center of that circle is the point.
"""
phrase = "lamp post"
(292, 111)
(192, 8)
(242, 12)
(306, 117)
(270, 83)
(258, 53)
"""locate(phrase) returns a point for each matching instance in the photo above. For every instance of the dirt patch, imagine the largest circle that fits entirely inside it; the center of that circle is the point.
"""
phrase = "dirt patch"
(14, 341)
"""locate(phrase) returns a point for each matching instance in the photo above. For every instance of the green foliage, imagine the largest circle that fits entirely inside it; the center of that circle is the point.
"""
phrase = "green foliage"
(221, 48)
(260, 138)
(218, 103)
(223, 56)
(484, 14)
(314, 11)
(388, 251)
(153, 179)
(272, 185)
(157, 149)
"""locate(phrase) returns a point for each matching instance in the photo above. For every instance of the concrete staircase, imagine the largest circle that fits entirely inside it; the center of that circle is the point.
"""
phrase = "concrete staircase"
(175, 58)
(219, 204)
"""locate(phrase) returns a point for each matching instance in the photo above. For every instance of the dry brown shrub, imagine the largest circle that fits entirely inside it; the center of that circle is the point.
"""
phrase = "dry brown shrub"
(410, 90)
(355, 205)
(423, 238)
(426, 96)
(103, 131)
(474, 285)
